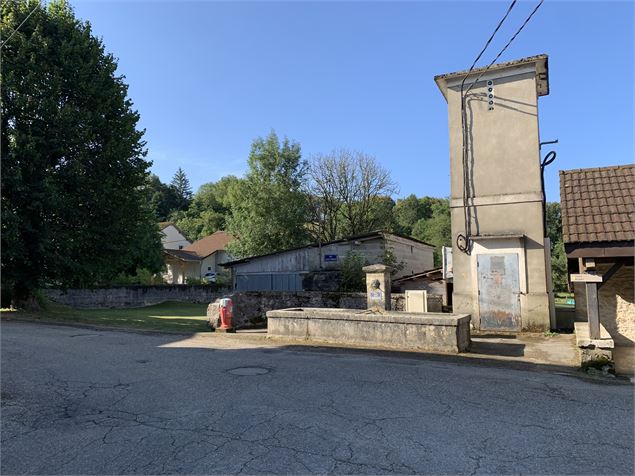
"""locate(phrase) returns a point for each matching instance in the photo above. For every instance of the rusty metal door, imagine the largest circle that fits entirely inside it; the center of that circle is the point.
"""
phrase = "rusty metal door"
(499, 291)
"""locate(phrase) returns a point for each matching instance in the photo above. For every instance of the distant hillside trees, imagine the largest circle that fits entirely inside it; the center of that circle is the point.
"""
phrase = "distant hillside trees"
(162, 198)
(434, 227)
(74, 209)
(283, 201)
(209, 209)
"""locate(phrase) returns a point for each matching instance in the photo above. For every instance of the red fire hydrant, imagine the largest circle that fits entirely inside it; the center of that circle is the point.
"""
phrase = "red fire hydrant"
(226, 314)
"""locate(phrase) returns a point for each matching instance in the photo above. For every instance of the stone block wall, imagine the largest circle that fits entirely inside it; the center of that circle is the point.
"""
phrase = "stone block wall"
(250, 308)
(131, 296)
(617, 304)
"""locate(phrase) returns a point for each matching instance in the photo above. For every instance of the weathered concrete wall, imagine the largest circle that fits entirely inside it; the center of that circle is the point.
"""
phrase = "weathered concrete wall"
(131, 296)
(250, 308)
(504, 181)
(617, 304)
(173, 239)
(428, 332)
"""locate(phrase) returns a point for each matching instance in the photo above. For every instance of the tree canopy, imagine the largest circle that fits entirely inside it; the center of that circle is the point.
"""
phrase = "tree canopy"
(182, 189)
(209, 209)
(435, 229)
(74, 210)
(558, 256)
(349, 193)
(268, 207)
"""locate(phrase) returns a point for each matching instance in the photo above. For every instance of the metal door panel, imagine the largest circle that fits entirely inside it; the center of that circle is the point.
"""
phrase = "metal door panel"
(499, 291)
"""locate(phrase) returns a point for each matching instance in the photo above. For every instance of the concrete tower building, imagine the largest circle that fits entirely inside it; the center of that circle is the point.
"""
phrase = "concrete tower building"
(500, 264)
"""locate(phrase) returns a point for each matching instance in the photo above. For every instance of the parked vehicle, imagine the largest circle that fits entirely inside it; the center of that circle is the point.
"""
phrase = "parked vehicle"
(210, 277)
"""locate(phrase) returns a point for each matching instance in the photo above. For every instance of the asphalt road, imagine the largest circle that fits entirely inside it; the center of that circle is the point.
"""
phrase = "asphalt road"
(80, 401)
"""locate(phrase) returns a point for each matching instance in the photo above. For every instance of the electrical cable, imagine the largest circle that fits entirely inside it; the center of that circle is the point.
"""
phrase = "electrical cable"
(465, 246)
(506, 46)
(463, 241)
(548, 159)
(19, 26)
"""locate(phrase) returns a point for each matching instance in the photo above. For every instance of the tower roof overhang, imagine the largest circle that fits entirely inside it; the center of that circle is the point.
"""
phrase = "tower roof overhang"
(538, 64)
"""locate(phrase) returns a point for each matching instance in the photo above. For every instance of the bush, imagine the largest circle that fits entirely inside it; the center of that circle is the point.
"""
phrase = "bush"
(353, 278)
(142, 276)
(224, 279)
(389, 259)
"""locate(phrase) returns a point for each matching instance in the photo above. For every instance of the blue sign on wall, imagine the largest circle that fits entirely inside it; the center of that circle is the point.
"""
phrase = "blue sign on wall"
(330, 258)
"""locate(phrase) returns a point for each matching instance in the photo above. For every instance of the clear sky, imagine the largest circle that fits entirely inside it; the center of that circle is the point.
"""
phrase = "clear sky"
(209, 77)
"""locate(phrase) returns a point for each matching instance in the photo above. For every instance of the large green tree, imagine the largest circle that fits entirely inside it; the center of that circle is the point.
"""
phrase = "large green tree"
(73, 206)
(268, 208)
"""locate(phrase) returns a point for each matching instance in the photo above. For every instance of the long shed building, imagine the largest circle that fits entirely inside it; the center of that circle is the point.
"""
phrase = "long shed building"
(314, 266)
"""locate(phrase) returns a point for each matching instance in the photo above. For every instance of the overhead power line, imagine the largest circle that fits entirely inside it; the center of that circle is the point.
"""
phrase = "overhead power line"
(463, 241)
(19, 26)
(507, 45)
(500, 23)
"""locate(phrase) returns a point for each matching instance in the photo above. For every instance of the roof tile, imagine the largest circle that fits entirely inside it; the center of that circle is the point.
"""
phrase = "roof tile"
(208, 245)
(597, 204)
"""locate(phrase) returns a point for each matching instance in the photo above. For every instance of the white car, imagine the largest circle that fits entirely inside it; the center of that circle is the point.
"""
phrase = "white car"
(210, 277)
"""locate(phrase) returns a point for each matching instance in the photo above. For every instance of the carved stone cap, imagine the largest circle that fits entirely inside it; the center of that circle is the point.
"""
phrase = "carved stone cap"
(377, 268)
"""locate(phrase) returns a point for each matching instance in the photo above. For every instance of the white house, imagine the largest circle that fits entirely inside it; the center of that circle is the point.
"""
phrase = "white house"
(172, 238)
(197, 259)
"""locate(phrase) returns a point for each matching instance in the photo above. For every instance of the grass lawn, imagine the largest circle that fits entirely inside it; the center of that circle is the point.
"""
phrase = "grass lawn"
(168, 316)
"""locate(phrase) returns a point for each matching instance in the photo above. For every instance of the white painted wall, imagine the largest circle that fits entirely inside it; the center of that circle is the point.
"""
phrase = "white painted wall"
(173, 239)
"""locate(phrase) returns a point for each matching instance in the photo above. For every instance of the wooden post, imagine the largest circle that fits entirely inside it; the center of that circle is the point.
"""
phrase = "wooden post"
(592, 309)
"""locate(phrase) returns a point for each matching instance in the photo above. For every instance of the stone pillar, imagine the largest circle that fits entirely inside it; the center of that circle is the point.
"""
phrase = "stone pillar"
(378, 284)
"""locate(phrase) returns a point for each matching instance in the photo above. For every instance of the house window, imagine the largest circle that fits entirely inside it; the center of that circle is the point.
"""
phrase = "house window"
(412, 249)
(180, 247)
(209, 268)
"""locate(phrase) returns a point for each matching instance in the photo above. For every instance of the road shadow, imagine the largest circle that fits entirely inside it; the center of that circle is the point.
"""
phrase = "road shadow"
(484, 347)
(256, 343)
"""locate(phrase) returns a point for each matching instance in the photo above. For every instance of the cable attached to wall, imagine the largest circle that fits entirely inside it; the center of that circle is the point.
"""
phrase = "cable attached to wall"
(464, 241)
(547, 160)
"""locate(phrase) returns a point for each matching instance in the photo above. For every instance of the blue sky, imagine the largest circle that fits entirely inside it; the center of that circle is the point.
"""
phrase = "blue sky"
(209, 77)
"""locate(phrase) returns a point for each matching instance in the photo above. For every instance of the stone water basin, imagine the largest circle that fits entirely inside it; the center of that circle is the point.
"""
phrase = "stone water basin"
(426, 332)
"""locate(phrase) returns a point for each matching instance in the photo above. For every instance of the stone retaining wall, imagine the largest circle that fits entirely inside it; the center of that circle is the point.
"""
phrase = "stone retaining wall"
(132, 296)
(427, 332)
(250, 308)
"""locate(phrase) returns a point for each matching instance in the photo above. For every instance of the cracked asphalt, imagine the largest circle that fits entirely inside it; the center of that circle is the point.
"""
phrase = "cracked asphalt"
(80, 401)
